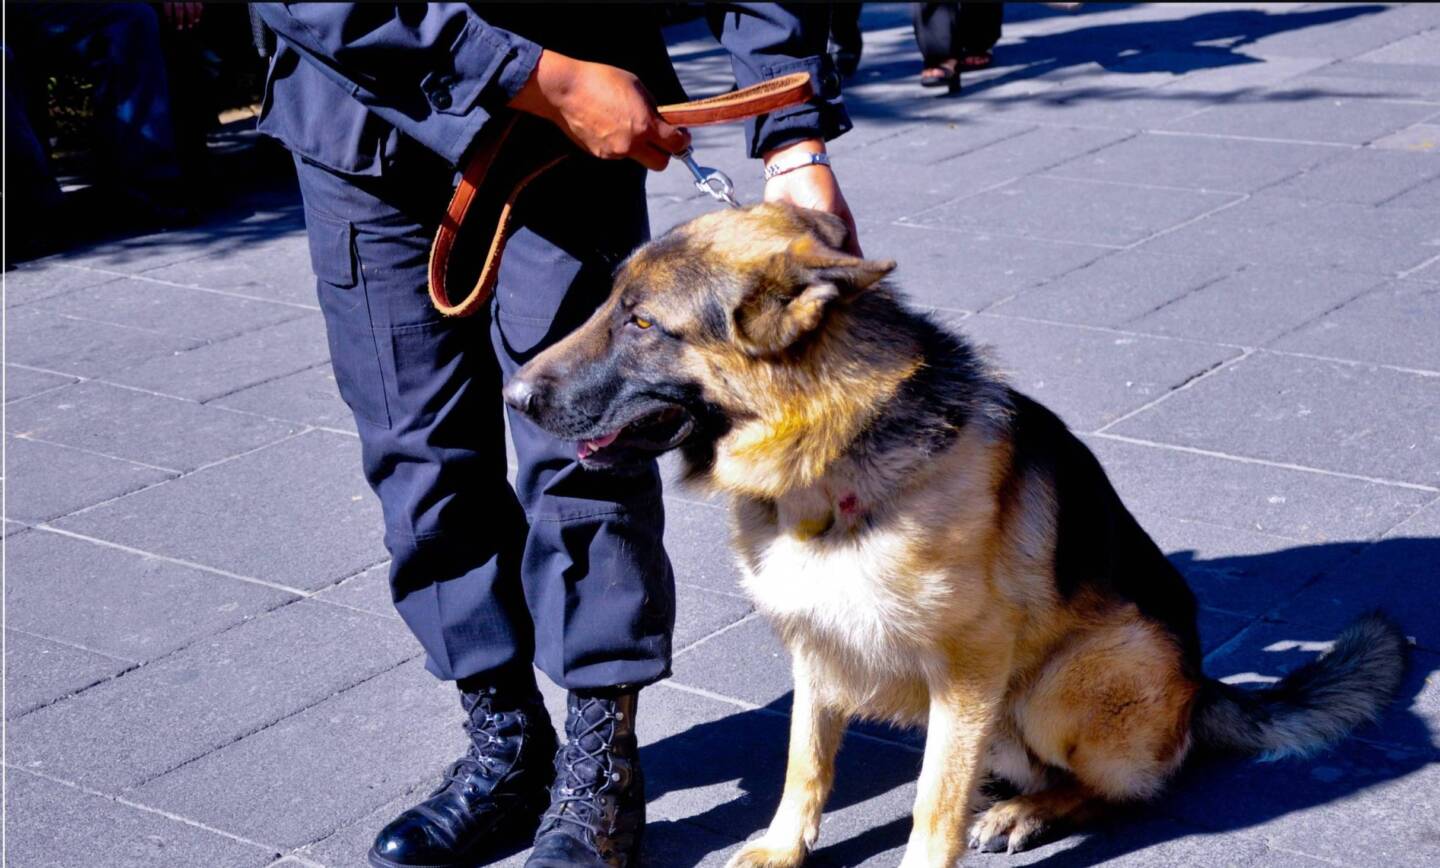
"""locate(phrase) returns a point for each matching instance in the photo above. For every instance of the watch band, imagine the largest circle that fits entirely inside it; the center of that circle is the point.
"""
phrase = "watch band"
(775, 170)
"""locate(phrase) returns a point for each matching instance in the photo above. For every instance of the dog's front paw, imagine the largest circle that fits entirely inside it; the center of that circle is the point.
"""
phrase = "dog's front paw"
(763, 853)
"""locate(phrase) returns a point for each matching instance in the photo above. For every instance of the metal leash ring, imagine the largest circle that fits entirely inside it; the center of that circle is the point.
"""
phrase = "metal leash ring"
(712, 182)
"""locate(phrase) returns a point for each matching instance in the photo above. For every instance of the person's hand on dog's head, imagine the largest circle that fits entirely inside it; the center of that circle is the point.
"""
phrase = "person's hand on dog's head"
(814, 186)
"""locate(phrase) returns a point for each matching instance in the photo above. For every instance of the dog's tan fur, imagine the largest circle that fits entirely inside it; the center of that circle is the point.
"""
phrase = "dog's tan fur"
(914, 585)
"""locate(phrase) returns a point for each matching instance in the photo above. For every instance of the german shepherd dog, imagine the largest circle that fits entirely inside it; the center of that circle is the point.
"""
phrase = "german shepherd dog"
(932, 547)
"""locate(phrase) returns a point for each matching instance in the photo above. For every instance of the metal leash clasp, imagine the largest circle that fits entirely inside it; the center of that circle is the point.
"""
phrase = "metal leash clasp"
(713, 182)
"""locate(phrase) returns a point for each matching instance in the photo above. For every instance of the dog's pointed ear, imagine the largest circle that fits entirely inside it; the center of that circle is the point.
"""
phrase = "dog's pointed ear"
(797, 290)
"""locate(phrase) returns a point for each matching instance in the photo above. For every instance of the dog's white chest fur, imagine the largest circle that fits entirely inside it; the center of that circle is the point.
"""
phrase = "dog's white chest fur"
(844, 595)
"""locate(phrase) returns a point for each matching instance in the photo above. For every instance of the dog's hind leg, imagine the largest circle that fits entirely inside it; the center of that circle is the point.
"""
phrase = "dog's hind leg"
(815, 732)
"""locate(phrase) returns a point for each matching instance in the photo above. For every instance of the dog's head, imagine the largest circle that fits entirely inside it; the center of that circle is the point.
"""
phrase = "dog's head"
(696, 323)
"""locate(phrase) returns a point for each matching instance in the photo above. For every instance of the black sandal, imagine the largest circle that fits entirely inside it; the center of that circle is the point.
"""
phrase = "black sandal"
(941, 76)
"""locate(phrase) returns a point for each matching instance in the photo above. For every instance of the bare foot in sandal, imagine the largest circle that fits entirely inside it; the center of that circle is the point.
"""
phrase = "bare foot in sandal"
(946, 74)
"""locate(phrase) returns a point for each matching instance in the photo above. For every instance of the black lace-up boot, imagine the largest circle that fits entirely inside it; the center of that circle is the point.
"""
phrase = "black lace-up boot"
(597, 803)
(492, 795)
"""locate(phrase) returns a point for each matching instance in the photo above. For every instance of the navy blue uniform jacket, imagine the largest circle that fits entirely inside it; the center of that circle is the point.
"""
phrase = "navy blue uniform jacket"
(349, 79)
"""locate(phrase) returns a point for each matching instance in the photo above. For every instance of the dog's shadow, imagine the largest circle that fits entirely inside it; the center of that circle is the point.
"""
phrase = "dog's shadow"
(746, 752)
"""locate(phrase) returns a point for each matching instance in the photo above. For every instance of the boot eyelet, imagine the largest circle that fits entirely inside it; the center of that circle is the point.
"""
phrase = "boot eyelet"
(615, 776)
(619, 715)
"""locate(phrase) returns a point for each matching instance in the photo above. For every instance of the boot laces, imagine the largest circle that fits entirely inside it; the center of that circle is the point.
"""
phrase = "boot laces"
(480, 724)
(575, 798)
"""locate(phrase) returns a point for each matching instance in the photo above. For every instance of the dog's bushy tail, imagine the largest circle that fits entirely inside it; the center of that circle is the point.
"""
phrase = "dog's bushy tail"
(1314, 706)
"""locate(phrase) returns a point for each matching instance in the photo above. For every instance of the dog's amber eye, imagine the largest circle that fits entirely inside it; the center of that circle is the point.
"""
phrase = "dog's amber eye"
(640, 321)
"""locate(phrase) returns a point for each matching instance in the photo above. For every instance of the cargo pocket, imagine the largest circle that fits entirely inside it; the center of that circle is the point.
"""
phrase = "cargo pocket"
(354, 352)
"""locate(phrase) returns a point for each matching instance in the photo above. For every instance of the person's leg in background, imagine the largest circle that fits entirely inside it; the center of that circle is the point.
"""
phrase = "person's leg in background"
(847, 43)
(597, 581)
(979, 30)
(937, 33)
(425, 395)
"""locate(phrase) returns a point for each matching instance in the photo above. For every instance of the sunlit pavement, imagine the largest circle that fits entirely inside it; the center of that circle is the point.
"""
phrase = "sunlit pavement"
(1207, 235)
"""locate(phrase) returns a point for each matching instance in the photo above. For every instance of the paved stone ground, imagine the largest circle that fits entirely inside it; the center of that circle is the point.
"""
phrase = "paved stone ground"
(1209, 236)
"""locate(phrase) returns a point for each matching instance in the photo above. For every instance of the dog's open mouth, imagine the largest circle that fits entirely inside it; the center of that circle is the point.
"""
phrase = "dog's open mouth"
(650, 434)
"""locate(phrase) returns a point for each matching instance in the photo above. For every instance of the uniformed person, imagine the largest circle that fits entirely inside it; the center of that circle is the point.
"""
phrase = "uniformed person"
(380, 104)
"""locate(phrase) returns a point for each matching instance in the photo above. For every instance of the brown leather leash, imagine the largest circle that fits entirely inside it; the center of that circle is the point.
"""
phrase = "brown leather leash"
(516, 150)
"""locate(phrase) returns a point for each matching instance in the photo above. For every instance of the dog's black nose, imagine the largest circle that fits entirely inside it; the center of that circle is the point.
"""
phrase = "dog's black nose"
(520, 394)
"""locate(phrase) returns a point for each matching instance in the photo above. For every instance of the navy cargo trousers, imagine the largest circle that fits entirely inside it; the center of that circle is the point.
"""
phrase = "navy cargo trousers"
(565, 568)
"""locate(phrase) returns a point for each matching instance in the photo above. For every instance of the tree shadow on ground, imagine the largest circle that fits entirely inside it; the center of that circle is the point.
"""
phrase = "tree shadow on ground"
(1211, 795)
(247, 194)
(1207, 40)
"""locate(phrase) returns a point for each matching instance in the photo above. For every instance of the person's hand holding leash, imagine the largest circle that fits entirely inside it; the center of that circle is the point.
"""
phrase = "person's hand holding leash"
(798, 173)
(603, 109)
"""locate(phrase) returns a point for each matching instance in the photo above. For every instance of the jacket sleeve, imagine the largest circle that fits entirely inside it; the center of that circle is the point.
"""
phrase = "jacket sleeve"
(768, 40)
(435, 71)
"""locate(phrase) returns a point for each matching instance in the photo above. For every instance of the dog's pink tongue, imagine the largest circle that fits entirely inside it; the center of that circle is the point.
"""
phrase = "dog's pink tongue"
(590, 447)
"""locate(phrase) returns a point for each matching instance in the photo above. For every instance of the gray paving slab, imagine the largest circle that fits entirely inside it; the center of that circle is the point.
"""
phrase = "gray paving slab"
(1423, 197)
(1344, 417)
(217, 369)
(1089, 377)
(368, 591)
(1079, 212)
(1314, 807)
(214, 692)
(1397, 574)
(925, 144)
(1254, 305)
(1337, 31)
(139, 426)
(747, 663)
(307, 518)
(1416, 138)
(23, 382)
(1353, 80)
(1116, 288)
(122, 604)
(1195, 162)
(41, 339)
(161, 307)
(1367, 176)
(968, 270)
(1419, 48)
(46, 481)
(52, 825)
(1393, 324)
(10, 528)
(1290, 117)
(277, 269)
(697, 536)
(32, 281)
(39, 671)
(1275, 231)
(1238, 570)
(1430, 272)
(699, 613)
(308, 774)
(308, 396)
(1312, 507)
(1024, 154)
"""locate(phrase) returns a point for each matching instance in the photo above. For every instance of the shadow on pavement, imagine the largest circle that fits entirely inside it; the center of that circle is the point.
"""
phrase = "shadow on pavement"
(1208, 40)
(1211, 795)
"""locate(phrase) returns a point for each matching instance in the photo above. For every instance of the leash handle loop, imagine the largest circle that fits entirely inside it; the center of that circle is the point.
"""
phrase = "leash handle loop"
(521, 162)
